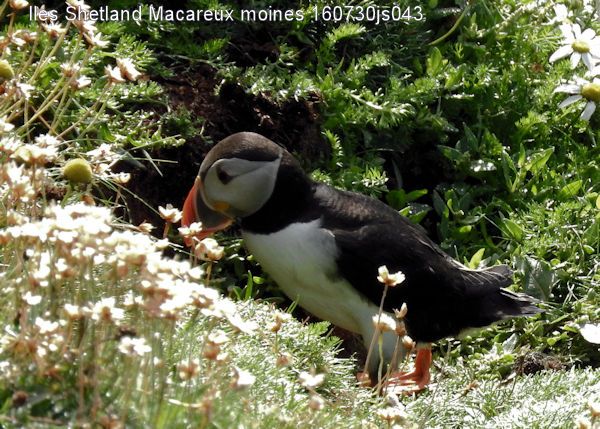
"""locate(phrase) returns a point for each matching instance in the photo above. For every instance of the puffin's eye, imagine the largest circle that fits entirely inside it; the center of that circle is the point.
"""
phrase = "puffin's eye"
(223, 176)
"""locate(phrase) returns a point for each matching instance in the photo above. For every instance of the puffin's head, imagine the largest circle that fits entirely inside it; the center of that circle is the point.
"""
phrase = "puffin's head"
(236, 179)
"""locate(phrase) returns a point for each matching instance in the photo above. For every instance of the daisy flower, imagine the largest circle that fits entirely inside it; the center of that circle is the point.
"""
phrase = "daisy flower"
(562, 14)
(582, 89)
(579, 45)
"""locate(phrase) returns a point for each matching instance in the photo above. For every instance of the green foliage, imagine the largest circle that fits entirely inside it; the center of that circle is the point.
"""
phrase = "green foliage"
(71, 94)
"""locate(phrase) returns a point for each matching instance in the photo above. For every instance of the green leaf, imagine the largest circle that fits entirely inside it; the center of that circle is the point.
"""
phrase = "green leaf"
(451, 153)
(476, 258)
(439, 205)
(509, 171)
(510, 343)
(598, 202)
(570, 190)
(511, 229)
(538, 275)
(538, 160)
(415, 195)
(434, 62)
(396, 199)
(455, 76)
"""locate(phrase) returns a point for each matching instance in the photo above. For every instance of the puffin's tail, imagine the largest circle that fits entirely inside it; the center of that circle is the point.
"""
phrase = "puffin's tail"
(490, 301)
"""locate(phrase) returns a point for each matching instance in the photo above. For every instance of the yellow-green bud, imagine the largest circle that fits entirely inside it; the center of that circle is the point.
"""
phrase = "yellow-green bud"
(22, 155)
(78, 170)
(6, 71)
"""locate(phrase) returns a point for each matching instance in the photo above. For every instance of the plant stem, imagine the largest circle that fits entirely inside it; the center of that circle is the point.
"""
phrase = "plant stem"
(376, 332)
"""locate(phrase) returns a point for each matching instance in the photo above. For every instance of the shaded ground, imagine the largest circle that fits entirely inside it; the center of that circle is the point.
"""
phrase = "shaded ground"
(224, 111)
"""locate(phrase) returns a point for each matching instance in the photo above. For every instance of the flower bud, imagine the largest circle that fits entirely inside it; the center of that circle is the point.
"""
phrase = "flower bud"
(78, 170)
(6, 71)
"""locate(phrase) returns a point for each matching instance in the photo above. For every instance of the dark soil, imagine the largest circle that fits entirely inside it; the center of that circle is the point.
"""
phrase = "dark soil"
(223, 111)
(535, 362)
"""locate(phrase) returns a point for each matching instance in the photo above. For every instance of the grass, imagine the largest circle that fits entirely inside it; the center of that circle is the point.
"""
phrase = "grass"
(549, 399)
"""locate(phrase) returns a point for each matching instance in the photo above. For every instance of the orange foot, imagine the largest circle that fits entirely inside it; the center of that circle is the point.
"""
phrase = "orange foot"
(415, 381)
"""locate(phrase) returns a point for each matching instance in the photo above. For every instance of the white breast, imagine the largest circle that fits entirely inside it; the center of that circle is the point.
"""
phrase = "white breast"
(301, 259)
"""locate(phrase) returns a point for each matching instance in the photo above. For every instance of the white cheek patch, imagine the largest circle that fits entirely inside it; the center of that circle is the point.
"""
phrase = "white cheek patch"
(249, 189)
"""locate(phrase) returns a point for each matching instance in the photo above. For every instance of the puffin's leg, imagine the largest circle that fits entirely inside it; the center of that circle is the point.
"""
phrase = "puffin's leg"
(416, 380)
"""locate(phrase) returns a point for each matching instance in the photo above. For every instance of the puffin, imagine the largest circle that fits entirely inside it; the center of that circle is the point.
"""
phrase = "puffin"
(324, 246)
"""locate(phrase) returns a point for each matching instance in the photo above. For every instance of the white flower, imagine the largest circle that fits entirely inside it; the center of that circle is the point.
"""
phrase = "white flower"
(45, 326)
(128, 68)
(95, 39)
(392, 414)
(23, 90)
(582, 89)
(114, 74)
(18, 4)
(81, 82)
(69, 70)
(47, 140)
(31, 299)
(595, 71)
(310, 381)
(105, 310)
(242, 379)
(239, 325)
(579, 45)
(562, 13)
(5, 126)
(103, 153)
(190, 231)
(388, 279)
(209, 250)
(134, 346)
(170, 213)
(54, 30)
(73, 312)
(383, 322)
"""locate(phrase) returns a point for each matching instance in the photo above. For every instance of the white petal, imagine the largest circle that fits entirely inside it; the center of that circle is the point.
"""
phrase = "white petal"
(569, 88)
(589, 110)
(575, 59)
(576, 30)
(591, 332)
(587, 60)
(561, 11)
(562, 52)
(570, 100)
(595, 51)
(594, 72)
(588, 35)
(567, 32)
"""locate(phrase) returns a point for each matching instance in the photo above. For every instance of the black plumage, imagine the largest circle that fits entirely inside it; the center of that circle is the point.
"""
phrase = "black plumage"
(443, 297)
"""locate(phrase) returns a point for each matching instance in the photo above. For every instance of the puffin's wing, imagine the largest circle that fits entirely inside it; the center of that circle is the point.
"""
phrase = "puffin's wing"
(443, 296)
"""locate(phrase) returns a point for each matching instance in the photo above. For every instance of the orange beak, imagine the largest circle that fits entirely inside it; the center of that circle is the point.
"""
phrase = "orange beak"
(195, 210)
